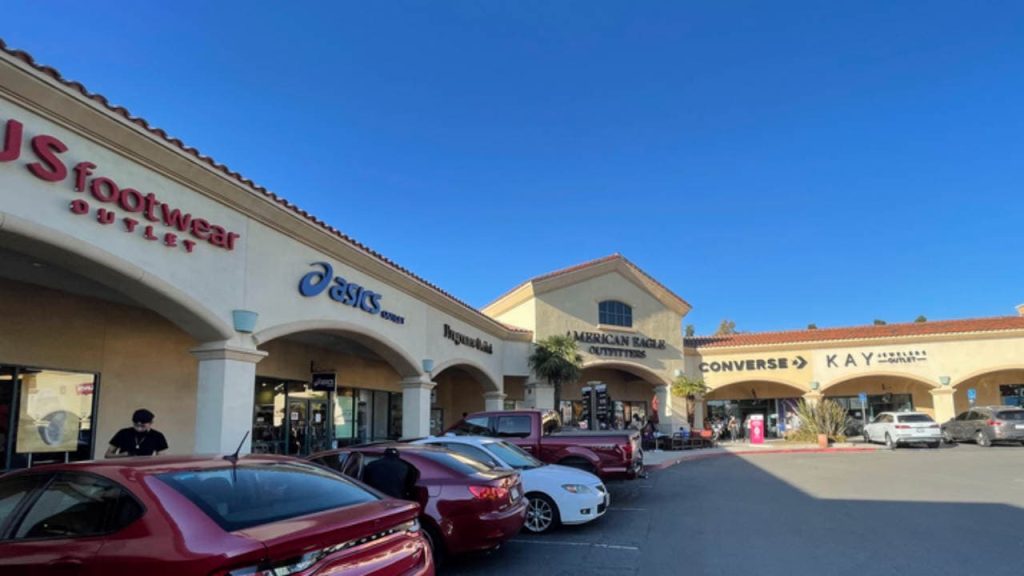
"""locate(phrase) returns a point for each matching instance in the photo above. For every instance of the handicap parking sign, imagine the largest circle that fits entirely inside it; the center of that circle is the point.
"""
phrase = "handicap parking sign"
(972, 394)
(863, 398)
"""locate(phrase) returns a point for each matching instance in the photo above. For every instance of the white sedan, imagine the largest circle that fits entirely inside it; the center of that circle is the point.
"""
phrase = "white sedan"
(556, 494)
(901, 428)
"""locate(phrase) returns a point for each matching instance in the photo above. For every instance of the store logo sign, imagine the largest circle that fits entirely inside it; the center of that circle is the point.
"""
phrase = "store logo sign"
(344, 292)
(461, 339)
(754, 365)
(126, 209)
(869, 358)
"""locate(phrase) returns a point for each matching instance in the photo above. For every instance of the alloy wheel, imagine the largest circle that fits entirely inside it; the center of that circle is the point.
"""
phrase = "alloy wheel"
(540, 515)
(982, 439)
(888, 442)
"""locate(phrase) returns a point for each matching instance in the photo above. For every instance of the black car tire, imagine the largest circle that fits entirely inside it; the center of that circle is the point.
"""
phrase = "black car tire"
(436, 544)
(934, 445)
(540, 504)
(982, 439)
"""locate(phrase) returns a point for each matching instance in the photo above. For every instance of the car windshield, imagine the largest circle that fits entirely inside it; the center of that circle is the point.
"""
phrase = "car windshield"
(1011, 415)
(915, 418)
(458, 462)
(245, 496)
(514, 456)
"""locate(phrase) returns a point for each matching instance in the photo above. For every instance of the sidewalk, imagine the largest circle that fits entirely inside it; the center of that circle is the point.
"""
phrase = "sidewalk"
(660, 459)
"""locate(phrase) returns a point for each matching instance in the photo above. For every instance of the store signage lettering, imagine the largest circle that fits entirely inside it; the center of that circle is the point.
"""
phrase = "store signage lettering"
(754, 365)
(324, 381)
(348, 293)
(461, 339)
(615, 342)
(137, 213)
(873, 358)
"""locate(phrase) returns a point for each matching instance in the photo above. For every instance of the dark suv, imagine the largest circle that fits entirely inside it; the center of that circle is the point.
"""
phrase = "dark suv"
(985, 425)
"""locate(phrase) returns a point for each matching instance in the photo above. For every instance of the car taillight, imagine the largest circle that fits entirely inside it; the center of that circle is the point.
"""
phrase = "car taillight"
(902, 427)
(300, 563)
(489, 493)
(994, 422)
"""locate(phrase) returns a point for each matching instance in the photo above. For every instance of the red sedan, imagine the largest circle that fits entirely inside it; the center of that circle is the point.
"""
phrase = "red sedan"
(466, 505)
(259, 516)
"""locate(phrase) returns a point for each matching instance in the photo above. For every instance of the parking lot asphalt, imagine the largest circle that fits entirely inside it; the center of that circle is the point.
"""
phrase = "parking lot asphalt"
(956, 510)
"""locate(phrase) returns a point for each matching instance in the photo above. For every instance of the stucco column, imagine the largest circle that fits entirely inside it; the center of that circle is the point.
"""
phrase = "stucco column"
(416, 406)
(698, 412)
(540, 395)
(664, 396)
(225, 397)
(812, 397)
(942, 401)
(494, 401)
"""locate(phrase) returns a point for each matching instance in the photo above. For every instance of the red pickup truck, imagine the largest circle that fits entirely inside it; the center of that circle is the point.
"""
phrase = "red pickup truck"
(610, 454)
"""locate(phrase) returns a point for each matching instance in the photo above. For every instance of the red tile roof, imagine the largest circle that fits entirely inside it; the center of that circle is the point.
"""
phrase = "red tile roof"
(993, 324)
(252, 186)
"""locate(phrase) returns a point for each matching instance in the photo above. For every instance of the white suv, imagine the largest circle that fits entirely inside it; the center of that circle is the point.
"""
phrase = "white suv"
(896, 428)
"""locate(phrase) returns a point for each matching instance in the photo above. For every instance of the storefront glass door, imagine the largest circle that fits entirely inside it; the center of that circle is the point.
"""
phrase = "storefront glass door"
(291, 418)
(46, 416)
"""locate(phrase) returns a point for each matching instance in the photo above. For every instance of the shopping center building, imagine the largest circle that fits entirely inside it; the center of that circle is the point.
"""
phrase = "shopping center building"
(137, 272)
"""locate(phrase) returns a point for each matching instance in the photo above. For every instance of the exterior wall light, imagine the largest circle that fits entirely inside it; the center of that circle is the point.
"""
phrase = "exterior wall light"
(944, 380)
(244, 320)
(677, 372)
(428, 365)
(815, 385)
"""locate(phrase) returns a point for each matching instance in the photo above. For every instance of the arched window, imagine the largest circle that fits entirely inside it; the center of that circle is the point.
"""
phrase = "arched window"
(615, 313)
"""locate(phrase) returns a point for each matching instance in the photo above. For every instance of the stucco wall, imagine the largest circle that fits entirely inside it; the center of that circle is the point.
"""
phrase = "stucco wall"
(142, 359)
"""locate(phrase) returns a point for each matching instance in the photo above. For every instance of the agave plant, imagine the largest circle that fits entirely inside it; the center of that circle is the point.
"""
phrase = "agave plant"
(823, 417)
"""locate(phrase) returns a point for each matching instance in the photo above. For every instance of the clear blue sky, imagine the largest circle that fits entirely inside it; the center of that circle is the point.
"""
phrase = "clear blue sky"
(776, 163)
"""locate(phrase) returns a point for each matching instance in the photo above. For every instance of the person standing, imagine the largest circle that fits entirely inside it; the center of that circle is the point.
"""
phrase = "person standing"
(138, 440)
(734, 428)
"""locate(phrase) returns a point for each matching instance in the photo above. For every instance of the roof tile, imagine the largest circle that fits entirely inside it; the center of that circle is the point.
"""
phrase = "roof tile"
(992, 324)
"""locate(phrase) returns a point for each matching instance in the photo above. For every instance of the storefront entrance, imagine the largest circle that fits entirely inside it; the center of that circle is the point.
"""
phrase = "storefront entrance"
(46, 416)
(776, 414)
(291, 418)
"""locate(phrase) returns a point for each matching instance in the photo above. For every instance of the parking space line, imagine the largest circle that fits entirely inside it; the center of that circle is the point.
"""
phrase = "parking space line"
(579, 544)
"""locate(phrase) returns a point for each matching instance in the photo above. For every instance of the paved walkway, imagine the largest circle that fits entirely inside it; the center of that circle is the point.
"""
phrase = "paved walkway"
(658, 459)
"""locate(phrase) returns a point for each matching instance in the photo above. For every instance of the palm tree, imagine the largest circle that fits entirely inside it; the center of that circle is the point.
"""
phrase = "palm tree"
(689, 388)
(555, 360)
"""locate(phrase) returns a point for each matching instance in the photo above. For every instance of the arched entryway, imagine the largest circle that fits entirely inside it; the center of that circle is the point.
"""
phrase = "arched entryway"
(886, 392)
(630, 390)
(90, 337)
(1002, 385)
(328, 383)
(463, 387)
(775, 401)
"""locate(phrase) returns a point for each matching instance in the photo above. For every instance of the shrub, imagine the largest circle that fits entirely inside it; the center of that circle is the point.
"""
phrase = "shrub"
(823, 417)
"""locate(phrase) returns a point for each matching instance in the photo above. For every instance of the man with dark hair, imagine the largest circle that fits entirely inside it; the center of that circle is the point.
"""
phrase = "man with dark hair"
(391, 475)
(139, 440)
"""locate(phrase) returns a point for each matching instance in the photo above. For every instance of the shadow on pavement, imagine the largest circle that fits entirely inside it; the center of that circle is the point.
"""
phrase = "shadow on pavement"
(729, 516)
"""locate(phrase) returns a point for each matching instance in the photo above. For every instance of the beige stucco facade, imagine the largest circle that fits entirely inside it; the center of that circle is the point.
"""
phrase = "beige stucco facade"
(936, 370)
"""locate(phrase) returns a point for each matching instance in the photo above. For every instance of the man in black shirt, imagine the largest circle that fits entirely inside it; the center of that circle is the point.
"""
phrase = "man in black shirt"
(139, 440)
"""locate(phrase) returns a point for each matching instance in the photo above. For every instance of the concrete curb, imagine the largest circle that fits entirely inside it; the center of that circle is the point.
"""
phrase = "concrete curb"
(691, 457)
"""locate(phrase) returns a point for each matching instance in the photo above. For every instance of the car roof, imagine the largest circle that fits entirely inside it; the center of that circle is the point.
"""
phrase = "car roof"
(997, 407)
(895, 413)
(476, 440)
(401, 447)
(160, 464)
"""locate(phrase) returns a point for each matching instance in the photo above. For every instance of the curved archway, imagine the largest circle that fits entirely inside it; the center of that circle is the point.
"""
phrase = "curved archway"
(886, 391)
(381, 345)
(883, 375)
(992, 386)
(478, 372)
(759, 389)
(85, 260)
(640, 371)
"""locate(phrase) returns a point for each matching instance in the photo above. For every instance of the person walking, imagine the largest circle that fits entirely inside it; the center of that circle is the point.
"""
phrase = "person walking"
(139, 440)
(734, 428)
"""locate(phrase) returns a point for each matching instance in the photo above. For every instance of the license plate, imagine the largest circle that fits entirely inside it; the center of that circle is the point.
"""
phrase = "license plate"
(919, 432)
(1019, 426)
